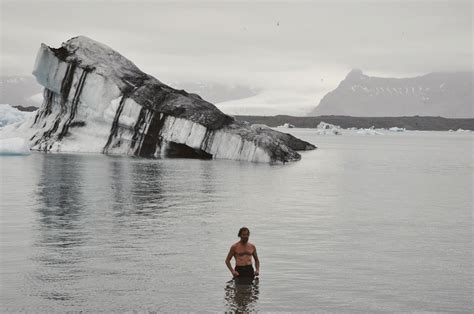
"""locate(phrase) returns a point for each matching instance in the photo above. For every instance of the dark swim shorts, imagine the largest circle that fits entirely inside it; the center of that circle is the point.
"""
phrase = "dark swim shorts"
(245, 271)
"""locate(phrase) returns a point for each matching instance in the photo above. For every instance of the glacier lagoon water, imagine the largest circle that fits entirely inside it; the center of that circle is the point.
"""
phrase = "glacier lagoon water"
(364, 223)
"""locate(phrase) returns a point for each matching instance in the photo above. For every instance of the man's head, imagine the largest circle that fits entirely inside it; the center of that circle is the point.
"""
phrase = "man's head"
(244, 234)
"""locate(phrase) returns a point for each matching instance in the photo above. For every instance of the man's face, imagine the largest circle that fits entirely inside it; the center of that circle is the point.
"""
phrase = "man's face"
(244, 236)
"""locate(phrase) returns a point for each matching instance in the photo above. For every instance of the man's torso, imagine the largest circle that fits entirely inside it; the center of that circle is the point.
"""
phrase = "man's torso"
(243, 253)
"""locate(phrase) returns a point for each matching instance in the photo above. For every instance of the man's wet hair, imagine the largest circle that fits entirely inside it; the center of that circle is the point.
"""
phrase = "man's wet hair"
(242, 230)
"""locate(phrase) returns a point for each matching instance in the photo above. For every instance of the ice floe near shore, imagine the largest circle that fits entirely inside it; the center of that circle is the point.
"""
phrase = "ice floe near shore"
(10, 115)
(14, 146)
(324, 128)
(287, 125)
(463, 131)
(369, 131)
(397, 129)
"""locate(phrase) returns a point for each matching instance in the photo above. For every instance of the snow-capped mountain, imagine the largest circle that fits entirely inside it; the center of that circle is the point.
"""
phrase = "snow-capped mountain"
(448, 95)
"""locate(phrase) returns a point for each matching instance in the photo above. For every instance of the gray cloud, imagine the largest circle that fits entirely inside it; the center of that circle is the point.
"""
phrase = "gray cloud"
(293, 45)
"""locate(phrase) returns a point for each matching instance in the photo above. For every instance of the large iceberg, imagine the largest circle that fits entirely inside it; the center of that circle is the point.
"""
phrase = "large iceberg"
(96, 100)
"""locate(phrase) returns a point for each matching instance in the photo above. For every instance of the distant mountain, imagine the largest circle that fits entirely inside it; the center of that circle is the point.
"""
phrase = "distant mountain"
(215, 92)
(20, 91)
(447, 95)
(25, 91)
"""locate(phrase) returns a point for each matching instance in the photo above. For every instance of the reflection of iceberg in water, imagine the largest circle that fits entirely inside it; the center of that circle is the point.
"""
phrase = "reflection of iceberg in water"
(59, 257)
(241, 297)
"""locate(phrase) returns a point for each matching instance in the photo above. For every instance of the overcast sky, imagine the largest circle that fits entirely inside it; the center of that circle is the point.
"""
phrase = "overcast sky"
(289, 47)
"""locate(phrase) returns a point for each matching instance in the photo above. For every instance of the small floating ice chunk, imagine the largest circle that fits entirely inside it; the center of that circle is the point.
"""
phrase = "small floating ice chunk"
(14, 146)
(287, 125)
(324, 128)
(369, 131)
(397, 129)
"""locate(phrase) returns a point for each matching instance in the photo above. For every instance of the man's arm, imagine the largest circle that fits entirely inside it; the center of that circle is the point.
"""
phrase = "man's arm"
(227, 261)
(257, 261)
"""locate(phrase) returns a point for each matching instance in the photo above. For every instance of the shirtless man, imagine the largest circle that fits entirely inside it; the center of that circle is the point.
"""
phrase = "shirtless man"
(243, 251)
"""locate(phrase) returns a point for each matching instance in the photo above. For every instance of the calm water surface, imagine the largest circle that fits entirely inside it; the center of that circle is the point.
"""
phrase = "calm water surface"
(364, 223)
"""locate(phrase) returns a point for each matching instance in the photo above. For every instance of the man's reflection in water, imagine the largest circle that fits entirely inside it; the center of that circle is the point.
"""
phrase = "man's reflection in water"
(241, 295)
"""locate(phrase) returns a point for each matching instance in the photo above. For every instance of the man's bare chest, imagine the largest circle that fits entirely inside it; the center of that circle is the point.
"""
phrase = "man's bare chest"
(242, 251)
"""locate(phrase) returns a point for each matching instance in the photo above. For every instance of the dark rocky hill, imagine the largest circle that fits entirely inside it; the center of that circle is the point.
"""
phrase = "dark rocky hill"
(410, 123)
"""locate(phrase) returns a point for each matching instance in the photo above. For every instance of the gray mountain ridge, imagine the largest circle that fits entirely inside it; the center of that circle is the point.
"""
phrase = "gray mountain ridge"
(23, 90)
(444, 94)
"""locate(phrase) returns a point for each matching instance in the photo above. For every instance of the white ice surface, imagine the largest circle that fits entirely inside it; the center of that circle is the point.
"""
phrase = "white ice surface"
(369, 131)
(324, 128)
(14, 146)
(224, 144)
(10, 115)
(397, 129)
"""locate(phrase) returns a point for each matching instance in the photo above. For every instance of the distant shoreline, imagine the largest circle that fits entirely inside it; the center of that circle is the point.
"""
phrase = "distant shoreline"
(409, 123)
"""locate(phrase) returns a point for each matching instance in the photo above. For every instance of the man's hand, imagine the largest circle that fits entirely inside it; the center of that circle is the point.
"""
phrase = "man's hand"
(256, 273)
(235, 273)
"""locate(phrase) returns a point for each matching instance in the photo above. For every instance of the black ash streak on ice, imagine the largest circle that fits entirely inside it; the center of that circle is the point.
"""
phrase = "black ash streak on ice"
(75, 102)
(114, 129)
(160, 106)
